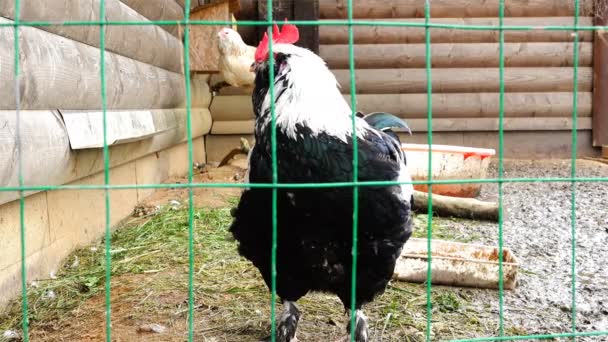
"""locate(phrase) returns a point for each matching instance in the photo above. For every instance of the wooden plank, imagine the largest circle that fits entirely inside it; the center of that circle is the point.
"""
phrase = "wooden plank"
(231, 108)
(491, 124)
(461, 105)
(309, 35)
(517, 144)
(331, 9)
(378, 56)
(85, 128)
(415, 35)
(600, 86)
(443, 125)
(459, 80)
(233, 127)
(464, 80)
(528, 144)
(156, 10)
(48, 159)
(146, 43)
(204, 51)
(53, 66)
(458, 105)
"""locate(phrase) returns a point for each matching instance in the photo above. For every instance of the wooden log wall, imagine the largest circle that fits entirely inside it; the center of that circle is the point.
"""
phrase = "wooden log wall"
(145, 43)
(415, 35)
(60, 73)
(53, 66)
(159, 10)
(449, 105)
(390, 64)
(373, 9)
(390, 61)
(450, 55)
(48, 160)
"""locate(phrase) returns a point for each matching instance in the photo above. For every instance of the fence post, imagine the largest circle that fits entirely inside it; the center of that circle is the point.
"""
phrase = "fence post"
(309, 35)
(600, 84)
(294, 10)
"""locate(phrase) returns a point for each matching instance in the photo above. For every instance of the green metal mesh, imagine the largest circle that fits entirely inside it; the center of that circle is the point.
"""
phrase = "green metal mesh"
(275, 185)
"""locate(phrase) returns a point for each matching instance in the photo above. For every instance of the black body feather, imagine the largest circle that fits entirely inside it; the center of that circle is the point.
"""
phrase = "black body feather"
(315, 225)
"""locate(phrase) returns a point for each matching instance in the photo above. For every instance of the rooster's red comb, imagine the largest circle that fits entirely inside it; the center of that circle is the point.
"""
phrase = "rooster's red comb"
(288, 35)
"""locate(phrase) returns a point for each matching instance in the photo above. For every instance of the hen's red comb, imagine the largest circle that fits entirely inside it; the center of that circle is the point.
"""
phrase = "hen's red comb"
(288, 35)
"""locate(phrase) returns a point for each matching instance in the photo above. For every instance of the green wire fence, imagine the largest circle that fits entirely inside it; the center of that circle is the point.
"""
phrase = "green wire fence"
(275, 185)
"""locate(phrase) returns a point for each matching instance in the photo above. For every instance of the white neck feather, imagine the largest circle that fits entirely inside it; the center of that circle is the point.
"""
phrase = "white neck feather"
(313, 98)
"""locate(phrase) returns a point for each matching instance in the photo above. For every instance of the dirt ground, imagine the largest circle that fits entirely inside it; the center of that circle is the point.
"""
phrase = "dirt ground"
(231, 301)
(204, 197)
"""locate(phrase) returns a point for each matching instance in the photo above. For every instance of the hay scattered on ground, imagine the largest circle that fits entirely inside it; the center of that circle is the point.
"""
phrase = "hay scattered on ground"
(150, 275)
(150, 286)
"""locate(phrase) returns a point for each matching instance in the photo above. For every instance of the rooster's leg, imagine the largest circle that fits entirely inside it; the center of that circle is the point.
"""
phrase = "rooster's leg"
(361, 333)
(288, 323)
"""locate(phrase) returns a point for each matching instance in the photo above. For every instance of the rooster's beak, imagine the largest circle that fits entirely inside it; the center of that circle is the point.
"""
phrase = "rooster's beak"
(252, 67)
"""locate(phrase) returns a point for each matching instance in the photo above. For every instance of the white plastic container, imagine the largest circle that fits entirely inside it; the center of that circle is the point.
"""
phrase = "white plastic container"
(449, 162)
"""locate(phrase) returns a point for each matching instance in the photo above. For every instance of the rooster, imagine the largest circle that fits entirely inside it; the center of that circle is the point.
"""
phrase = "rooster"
(235, 60)
(314, 138)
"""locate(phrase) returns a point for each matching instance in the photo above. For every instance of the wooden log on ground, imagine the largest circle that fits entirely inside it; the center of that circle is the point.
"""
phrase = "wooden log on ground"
(379, 56)
(331, 9)
(416, 35)
(146, 43)
(48, 159)
(57, 72)
(463, 80)
(468, 208)
(603, 160)
(451, 105)
(156, 10)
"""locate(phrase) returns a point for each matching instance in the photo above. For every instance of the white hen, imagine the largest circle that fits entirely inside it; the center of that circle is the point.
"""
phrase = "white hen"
(235, 62)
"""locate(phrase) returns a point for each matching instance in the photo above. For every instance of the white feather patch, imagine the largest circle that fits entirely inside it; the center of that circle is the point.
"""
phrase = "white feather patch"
(313, 98)
(406, 189)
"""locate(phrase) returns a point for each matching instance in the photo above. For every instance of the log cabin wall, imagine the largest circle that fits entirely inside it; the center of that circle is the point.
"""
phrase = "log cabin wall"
(390, 73)
(60, 102)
